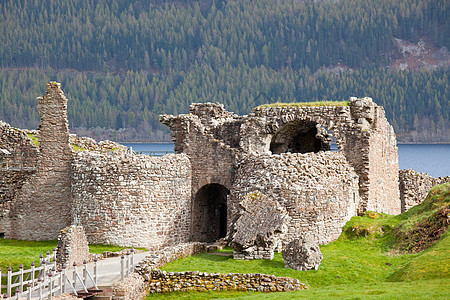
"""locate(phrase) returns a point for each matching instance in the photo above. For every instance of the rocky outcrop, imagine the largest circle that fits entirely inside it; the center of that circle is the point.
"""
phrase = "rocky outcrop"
(301, 254)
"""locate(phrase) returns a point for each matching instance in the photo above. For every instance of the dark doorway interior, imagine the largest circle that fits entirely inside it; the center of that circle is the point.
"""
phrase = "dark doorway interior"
(300, 137)
(209, 215)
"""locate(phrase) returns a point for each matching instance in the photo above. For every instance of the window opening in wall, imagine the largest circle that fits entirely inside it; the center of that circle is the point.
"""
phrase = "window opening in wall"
(301, 136)
(2, 235)
(209, 215)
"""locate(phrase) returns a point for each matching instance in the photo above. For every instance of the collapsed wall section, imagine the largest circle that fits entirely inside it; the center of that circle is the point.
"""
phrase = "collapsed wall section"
(132, 200)
(319, 191)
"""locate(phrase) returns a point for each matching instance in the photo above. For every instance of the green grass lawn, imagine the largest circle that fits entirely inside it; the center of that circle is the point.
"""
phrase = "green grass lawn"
(367, 261)
(16, 252)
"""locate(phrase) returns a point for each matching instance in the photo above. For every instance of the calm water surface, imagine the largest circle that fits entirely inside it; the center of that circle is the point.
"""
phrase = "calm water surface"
(431, 159)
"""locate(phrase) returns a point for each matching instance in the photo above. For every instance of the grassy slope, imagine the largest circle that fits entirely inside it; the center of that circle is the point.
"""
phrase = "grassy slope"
(362, 263)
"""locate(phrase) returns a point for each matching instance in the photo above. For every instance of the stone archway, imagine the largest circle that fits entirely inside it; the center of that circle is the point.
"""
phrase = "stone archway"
(209, 213)
(300, 136)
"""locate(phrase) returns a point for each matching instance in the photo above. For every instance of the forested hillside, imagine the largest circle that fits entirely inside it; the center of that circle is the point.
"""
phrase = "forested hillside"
(123, 62)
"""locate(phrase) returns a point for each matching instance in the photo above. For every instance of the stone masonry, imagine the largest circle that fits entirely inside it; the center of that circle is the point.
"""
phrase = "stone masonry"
(16, 168)
(283, 152)
(318, 191)
(162, 282)
(132, 200)
(280, 151)
(414, 187)
(43, 206)
(72, 246)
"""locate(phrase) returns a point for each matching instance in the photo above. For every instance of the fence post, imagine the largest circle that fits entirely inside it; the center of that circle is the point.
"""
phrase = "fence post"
(29, 291)
(50, 285)
(17, 294)
(63, 276)
(132, 260)
(74, 274)
(32, 273)
(54, 257)
(127, 264)
(84, 272)
(121, 267)
(43, 265)
(21, 278)
(39, 280)
(9, 282)
(95, 270)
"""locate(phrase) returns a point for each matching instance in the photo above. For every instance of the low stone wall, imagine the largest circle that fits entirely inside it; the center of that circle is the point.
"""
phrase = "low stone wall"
(162, 281)
(414, 187)
(132, 200)
(319, 191)
(131, 288)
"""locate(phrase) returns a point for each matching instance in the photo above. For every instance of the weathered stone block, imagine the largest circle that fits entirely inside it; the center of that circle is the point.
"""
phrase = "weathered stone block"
(301, 254)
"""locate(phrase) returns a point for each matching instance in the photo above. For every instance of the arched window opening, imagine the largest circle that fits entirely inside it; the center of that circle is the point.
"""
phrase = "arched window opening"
(301, 136)
(209, 215)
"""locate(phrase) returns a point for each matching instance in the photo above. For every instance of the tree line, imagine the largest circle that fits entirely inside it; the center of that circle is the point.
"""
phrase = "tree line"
(413, 101)
(124, 62)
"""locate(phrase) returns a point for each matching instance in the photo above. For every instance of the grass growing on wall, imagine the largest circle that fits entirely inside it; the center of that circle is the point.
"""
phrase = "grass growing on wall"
(365, 262)
(34, 139)
(306, 104)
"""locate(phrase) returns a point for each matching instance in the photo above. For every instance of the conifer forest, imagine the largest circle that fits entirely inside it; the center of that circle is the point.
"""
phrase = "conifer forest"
(121, 63)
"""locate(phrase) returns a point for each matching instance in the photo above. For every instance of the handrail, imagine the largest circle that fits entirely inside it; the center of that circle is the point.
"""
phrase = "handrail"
(50, 281)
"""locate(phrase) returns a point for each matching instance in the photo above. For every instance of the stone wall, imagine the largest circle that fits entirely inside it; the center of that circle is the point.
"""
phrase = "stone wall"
(132, 200)
(72, 247)
(206, 135)
(361, 132)
(414, 187)
(43, 205)
(162, 282)
(319, 191)
(16, 168)
(131, 288)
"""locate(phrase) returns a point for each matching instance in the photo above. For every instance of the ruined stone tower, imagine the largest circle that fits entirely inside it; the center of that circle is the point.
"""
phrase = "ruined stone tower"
(43, 206)
(282, 151)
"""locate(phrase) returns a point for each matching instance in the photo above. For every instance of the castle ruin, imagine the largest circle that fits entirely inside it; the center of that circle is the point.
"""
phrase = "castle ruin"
(282, 152)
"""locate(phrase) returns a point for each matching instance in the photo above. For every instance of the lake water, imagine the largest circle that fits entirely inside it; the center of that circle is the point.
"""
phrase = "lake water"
(431, 159)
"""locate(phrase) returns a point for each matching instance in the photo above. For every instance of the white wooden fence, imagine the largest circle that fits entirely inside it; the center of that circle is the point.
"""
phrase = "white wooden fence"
(47, 280)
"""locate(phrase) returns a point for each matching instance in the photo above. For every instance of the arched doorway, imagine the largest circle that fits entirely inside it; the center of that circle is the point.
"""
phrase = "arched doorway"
(300, 136)
(209, 213)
